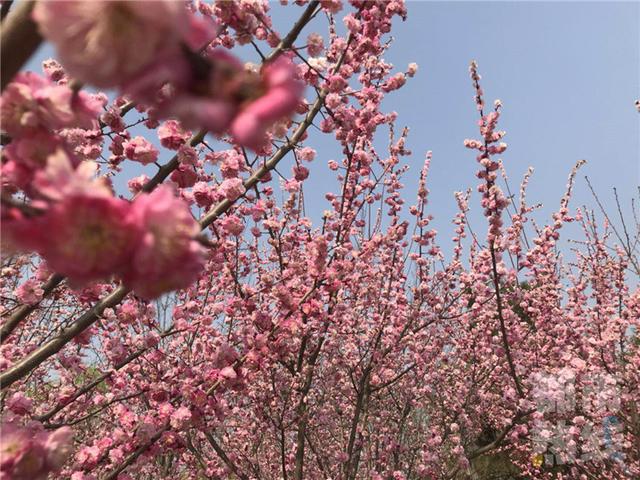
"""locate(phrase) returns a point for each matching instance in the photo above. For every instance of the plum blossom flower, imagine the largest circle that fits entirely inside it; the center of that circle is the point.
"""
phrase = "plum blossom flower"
(54, 70)
(228, 373)
(315, 44)
(137, 183)
(21, 457)
(331, 6)
(300, 173)
(86, 237)
(61, 178)
(85, 144)
(167, 257)
(27, 154)
(220, 94)
(165, 410)
(140, 150)
(202, 92)
(283, 92)
(88, 456)
(32, 102)
(30, 292)
(181, 417)
(306, 153)
(95, 39)
(82, 232)
(185, 176)
(232, 188)
(30, 453)
(395, 82)
(171, 135)
(292, 185)
(202, 194)
(232, 224)
(19, 404)
(58, 447)
(231, 165)
(187, 155)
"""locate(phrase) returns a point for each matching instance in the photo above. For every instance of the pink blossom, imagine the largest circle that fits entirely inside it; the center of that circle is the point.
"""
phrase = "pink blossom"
(232, 224)
(306, 153)
(21, 456)
(19, 404)
(181, 418)
(187, 155)
(140, 150)
(32, 102)
(27, 154)
(86, 237)
(136, 184)
(228, 373)
(337, 83)
(167, 257)
(333, 100)
(315, 44)
(171, 135)
(232, 188)
(202, 194)
(395, 82)
(231, 165)
(185, 176)
(30, 292)
(219, 94)
(30, 453)
(84, 144)
(116, 455)
(58, 447)
(61, 178)
(300, 173)
(112, 118)
(282, 94)
(165, 410)
(292, 185)
(106, 42)
(54, 71)
(88, 456)
(331, 6)
(199, 100)
(318, 256)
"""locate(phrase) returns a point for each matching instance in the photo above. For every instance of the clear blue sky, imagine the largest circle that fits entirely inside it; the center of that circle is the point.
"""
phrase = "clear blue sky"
(567, 73)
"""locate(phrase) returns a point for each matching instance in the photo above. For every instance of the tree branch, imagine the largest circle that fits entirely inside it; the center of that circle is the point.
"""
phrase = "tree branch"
(20, 39)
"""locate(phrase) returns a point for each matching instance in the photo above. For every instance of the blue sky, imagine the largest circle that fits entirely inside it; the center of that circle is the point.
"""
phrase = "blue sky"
(567, 73)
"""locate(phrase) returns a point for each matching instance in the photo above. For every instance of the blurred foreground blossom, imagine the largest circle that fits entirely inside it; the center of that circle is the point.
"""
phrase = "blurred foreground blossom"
(31, 453)
(94, 39)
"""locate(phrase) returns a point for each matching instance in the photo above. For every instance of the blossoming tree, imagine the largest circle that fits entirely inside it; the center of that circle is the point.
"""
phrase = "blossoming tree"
(202, 326)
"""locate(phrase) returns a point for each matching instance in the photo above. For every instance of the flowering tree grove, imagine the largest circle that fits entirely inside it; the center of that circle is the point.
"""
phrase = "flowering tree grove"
(201, 326)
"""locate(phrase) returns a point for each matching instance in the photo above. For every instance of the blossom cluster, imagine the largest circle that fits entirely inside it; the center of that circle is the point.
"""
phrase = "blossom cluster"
(31, 453)
(87, 234)
(165, 71)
